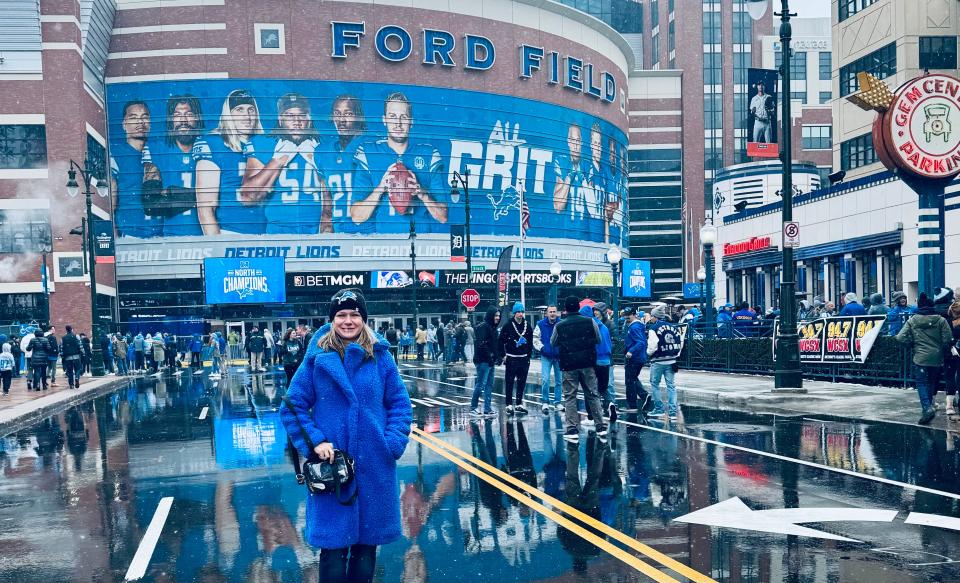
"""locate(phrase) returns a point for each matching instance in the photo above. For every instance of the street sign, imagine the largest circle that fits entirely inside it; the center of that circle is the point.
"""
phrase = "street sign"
(791, 234)
(479, 268)
(470, 298)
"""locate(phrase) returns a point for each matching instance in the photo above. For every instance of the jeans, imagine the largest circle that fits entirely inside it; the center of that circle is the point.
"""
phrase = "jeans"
(52, 367)
(138, 360)
(515, 372)
(448, 351)
(5, 378)
(256, 361)
(660, 370)
(337, 567)
(604, 387)
(40, 375)
(928, 381)
(572, 379)
(482, 383)
(548, 366)
(121, 364)
(634, 387)
(195, 360)
(420, 348)
(72, 366)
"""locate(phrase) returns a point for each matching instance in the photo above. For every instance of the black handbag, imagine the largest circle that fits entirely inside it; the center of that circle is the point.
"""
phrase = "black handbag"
(322, 477)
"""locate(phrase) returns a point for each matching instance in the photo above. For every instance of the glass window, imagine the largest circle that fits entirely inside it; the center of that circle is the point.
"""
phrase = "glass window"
(848, 8)
(800, 96)
(857, 152)
(23, 146)
(938, 52)
(655, 49)
(711, 28)
(712, 69)
(740, 110)
(818, 137)
(712, 111)
(881, 63)
(742, 28)
(24, 231)
(741, 62)
(97, 155)
(826, 66)
(671, 37)
(825, 97)
(798, 66)
(654, 13)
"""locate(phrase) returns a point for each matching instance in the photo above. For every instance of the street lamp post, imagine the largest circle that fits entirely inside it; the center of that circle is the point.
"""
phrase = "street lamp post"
(464, 180)
(555, 270)
(416, 280)
(614, 256)
(702, 278)
(88, 173)
(786, 371)
(708, 236)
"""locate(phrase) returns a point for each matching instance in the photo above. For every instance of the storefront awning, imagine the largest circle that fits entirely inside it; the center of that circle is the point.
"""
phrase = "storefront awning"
(870, 242)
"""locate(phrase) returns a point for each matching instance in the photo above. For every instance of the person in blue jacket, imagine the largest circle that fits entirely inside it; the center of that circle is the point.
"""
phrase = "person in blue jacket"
(348, 395)
(725, 321)
(745, 321)
(602, 369)
(899, 313)
(852, 306)
(636, 356)
(196, 345)
(549, 361)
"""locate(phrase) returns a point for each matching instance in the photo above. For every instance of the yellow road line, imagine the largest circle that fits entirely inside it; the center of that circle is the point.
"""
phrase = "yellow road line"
(614, 550)
(633, 543)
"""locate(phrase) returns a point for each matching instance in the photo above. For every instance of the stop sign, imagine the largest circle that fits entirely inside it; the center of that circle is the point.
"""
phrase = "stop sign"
(470, 298)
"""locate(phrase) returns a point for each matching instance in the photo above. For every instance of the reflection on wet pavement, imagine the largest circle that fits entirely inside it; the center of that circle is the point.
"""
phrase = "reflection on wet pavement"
(79, 489)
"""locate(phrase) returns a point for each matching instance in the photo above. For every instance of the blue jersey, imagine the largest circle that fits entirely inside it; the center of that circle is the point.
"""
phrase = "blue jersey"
(126, 166)
(617, 193)
(337, 165)
(371, 162)
(581, 199)
(294, 205)
(177, 168)
(232, 215)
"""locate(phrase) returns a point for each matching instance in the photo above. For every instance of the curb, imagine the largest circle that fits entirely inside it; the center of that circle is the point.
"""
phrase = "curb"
(26, 414)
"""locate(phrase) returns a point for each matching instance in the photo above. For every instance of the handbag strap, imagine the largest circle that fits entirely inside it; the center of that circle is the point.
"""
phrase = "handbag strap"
(294, 453)
(303, 432)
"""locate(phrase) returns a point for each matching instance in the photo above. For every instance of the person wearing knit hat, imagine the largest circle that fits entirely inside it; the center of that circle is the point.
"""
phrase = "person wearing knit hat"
(576, 338)
(6, 367)
(927, 335)
(516, 346)
(852, 306)
(942, 298)
(347, 398)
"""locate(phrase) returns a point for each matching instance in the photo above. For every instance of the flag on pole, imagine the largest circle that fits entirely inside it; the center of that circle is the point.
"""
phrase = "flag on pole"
(524, 218)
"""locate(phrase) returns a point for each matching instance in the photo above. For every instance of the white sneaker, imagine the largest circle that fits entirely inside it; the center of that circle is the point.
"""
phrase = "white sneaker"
(476, 413)
(545, 409)
(559, 407)
(509, 409)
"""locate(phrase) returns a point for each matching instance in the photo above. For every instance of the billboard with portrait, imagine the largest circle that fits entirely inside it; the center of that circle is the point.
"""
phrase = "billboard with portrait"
(762, 113)
(303, 159)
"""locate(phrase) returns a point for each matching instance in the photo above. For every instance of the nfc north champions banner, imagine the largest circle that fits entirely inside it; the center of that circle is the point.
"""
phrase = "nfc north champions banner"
(839, 339)
(315, 159)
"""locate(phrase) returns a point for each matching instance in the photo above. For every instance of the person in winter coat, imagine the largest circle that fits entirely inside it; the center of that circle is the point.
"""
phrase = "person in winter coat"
(942, 300)
(39, 348)
(170, 350)
(448, 334)
(348, 395)
(576, 338)
(951, 368)
(17, 356)
(516, 346)
(877, 307)
(28, 355)
(432, 342)
(852, 306)
(602, 368)
(139, 347)
(196, 345)
(746, 321)
(805, 312)
(899, 313)
(663, 348)
(269, 344)
(120, 353)
(725, 321)
(53, 354)
(549, 360)
(256, 344)
(393, 337)
(635, 356)
(72, 352)
(87, 352)
(600, 312)
(157, 349)
(927, 334)
(469, 340)
(7, 365)
(420, 338)
(485, 357)
(406, 341)
(291, 352)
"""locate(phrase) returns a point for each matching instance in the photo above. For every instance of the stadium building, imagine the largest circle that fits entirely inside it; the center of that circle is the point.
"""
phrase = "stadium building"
(262, 156)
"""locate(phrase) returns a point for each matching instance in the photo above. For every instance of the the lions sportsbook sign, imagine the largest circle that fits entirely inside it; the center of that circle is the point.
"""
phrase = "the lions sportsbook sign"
(920, 130)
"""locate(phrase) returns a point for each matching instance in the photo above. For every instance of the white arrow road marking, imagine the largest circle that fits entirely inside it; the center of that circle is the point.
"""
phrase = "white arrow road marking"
(203, 413)
(733, 513)
(138, 566)
(920, 518)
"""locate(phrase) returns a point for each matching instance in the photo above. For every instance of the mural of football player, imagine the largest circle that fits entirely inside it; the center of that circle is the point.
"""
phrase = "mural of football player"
(177, 166)
(221, 162)
(335, 157)
(569, 191)
(616, 192)
(393, 174)
(132, 170)
(282, 170)
(599, 180)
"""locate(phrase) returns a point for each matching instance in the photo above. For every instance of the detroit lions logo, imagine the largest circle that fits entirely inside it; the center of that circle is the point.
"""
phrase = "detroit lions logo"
(508, 199)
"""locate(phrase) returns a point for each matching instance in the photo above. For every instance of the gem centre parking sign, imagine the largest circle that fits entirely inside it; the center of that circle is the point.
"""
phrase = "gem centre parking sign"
(245, 281)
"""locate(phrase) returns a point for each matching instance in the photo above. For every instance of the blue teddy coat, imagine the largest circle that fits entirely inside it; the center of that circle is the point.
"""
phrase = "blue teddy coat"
(361, 406)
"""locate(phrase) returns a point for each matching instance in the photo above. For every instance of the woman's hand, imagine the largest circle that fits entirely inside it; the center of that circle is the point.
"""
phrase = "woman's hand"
(324, 451)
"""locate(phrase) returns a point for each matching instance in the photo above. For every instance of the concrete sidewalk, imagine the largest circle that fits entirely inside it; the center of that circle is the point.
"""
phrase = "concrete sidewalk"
(753, 393)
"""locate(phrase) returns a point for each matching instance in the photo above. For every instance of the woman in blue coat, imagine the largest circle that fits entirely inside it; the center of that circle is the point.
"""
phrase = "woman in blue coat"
(348, 395)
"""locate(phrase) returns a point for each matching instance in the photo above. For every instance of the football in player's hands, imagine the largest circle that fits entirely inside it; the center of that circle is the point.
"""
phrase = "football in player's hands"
(285, 148)
(401, 185)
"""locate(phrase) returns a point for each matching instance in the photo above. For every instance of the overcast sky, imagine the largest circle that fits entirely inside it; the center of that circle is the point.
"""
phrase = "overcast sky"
(807, 8)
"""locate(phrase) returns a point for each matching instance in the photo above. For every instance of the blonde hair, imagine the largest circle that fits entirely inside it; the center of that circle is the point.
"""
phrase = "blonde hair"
(227, 129)
(331, 341)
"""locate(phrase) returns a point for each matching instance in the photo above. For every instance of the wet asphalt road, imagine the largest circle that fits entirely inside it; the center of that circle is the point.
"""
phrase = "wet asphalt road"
(79, 490)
